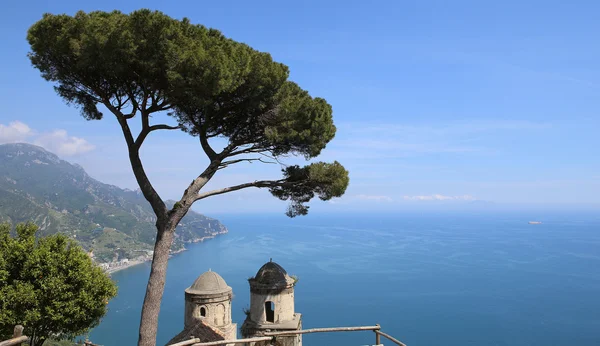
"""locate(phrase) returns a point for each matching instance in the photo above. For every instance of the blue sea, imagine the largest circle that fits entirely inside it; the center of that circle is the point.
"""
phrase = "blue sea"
(426, 278)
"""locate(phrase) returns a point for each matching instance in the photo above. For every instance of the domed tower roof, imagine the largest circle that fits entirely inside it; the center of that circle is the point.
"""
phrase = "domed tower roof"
(271, 276)
(208, 283)
(271, 273)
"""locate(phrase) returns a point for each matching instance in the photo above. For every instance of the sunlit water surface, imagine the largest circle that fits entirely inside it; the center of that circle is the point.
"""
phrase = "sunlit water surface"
(428, 279)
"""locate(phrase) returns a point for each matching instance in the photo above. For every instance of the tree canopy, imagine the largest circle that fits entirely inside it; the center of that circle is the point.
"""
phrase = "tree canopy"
(146, 62)
(49, 285)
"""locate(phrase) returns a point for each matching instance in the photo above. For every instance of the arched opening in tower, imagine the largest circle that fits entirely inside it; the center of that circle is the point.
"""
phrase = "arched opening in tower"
(270, 311)
(203, 311)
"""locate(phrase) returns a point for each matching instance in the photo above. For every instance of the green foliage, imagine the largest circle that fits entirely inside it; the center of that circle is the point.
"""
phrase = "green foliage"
(49, 285)
(326, 180)
(99, 55)
(146, 62)
(261, 110)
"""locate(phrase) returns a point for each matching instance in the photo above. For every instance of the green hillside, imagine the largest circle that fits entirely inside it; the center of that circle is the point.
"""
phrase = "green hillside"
(60, 197)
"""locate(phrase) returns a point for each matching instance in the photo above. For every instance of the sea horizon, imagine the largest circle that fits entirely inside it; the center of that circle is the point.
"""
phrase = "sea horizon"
(473, 278)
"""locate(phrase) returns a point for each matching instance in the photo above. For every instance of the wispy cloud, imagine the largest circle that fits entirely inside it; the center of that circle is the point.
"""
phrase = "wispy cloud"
(57, 141)
(398, 147)
(361, 198)
(438, 197)
(451, 129)
(375, 198)
(364, 140)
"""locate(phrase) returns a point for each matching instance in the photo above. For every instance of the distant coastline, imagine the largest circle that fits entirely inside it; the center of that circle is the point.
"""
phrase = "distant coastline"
(125, 266)
(134, 262)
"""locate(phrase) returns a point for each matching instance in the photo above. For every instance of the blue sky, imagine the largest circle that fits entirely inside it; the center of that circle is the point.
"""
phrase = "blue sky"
(437, 103)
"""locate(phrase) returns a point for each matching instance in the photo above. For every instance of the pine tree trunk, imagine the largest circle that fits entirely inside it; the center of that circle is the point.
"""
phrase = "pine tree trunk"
(156, 286)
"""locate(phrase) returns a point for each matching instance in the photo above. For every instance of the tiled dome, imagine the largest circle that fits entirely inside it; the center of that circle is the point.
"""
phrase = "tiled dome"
(271, 273)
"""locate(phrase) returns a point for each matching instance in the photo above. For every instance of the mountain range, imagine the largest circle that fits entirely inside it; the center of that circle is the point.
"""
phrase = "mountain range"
(36, 185)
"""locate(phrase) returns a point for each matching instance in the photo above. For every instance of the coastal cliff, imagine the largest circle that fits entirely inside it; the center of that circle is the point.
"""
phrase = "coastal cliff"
(113, 224)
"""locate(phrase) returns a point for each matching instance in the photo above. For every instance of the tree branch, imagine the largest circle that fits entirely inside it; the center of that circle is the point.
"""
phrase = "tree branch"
(156, 202)
(153, 99)
(274, 158)
(231, 162)
(134, 104)
(202, 135)
(119, 102)
(212, 155)
(226, 152)
(147, 129)
(258, 183)
(189, 195)
(122, 119)
(145, 121)
(250, 150)
(163, 127)
(234, 143)
(157, 107)
(145, 97)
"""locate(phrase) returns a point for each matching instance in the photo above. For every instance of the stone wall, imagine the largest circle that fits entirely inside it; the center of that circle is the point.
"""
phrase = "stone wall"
(284, 306)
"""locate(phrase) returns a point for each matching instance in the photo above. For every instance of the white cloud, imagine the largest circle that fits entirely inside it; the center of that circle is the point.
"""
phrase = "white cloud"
(353, 199)
(438, 197)
(451, 130)
(57, 141)
(14, 132)
(375, 198)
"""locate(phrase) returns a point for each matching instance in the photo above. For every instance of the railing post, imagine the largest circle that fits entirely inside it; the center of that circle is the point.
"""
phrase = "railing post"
(377, 337)
(18, 332)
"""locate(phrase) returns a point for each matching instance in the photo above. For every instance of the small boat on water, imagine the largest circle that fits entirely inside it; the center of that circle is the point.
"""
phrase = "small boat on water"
(535, 222)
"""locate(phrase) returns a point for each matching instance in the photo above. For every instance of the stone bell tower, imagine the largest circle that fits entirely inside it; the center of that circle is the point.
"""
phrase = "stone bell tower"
(272, 305)
(208, 300)
(207, 311)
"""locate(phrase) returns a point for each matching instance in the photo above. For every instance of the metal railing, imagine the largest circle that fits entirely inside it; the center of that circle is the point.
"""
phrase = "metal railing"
(272, 336)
